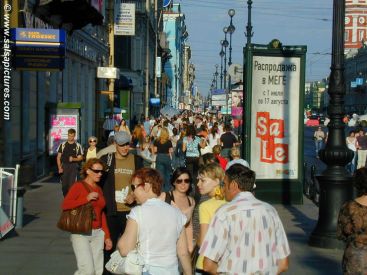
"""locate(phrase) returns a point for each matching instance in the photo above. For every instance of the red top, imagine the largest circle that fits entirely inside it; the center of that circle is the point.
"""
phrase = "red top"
(222, 161)
(77, 196)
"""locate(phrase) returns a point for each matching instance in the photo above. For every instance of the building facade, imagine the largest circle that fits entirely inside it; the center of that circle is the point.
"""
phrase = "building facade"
(37, 94)
(176, 34)
(355, 24)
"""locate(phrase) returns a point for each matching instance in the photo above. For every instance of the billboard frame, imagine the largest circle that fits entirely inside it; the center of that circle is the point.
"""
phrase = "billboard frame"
(275, 190)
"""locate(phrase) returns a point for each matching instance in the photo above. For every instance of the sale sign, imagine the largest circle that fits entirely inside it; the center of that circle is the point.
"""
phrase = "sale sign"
(275, 117)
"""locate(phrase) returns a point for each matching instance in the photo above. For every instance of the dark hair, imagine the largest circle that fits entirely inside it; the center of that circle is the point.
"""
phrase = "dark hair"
(209, 158)
(71, 132)
(361, 181)
(178, 172)
(175, 131)
(89, 165)
(151, 176)
(190, 130)
(243, 176)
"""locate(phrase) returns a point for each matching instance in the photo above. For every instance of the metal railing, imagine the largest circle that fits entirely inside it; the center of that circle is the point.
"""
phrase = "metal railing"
(8, 196)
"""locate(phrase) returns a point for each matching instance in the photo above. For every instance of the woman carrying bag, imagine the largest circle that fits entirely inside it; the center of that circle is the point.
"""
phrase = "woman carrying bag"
(88, 248)
(160, 240)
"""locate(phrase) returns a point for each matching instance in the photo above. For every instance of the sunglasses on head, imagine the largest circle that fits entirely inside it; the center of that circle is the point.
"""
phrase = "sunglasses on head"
(133, 187)
(92, 140)
(97, 171)
(182, 180)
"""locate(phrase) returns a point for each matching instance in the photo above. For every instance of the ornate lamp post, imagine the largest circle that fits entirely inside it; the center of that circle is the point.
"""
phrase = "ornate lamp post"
(221, 54)
(335, 182)
(216, 76)
(230, 30)
(225, 45)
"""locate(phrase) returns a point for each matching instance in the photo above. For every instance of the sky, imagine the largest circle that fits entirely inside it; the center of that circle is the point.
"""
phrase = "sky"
(293, 22)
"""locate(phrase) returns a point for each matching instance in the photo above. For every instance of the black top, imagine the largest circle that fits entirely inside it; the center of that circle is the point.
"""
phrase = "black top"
(70, 150)
(170, 198)
(163, 148)
(228, 139)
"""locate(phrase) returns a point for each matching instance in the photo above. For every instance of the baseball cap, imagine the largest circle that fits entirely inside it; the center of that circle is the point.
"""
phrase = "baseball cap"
(122, 137)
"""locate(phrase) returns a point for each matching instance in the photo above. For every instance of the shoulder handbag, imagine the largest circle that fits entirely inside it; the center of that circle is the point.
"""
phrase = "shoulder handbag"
(77, 220)
(132, 264)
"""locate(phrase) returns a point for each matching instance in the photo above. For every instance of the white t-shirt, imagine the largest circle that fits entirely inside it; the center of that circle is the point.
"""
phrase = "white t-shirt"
(160, 226)
(213, 140)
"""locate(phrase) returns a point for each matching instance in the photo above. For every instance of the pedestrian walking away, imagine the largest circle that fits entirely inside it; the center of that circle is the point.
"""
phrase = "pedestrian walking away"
(148, 221)
(88, 249)
(108, 126)
(69, 157)
(164, 150)
(234, 253)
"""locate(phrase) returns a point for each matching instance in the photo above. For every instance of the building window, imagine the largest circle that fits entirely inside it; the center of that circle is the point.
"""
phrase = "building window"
(361, 35)
(346, 36)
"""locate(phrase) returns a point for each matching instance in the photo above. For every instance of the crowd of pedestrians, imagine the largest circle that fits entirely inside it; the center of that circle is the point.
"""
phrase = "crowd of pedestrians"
(153, 184)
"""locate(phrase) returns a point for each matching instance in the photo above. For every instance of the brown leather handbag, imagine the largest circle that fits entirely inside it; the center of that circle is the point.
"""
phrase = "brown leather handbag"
(77, 220)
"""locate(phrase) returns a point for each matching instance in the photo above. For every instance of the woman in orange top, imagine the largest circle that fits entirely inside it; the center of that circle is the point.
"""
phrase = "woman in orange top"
(88, 249)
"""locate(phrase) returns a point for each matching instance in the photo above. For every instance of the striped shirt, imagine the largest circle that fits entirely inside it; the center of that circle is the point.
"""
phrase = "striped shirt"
(246, 236)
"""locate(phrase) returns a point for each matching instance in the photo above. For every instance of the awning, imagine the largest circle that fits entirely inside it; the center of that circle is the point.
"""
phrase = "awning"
(70, 15)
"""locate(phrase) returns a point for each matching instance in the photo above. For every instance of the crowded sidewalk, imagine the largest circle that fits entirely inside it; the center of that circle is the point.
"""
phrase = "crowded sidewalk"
(41, 248)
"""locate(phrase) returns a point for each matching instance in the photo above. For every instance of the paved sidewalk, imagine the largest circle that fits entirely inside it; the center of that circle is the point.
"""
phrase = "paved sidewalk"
(39, 248)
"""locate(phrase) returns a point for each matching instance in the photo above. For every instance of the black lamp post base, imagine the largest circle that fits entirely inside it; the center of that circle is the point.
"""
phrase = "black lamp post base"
(336, 188)
(322, 240)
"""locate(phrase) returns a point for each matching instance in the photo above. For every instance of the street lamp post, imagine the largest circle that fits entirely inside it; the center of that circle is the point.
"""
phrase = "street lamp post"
(216, 76)
(249, 33)
(230, 29)
(225, 45)
(335, 183)
(221, 54)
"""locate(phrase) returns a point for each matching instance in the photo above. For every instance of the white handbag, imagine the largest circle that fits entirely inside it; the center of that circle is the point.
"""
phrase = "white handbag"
(132, 264)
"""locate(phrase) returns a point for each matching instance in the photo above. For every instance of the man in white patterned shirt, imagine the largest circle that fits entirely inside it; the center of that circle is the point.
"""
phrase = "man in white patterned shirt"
(246, 235)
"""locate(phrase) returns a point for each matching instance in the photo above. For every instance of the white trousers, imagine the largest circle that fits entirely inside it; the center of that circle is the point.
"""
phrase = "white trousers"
(88, 250)
(362, 155)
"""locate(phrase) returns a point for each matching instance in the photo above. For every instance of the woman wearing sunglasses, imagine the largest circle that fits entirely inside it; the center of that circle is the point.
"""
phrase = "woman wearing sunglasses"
(178, 197)
(157, 226)
(92, 150)
(88, 249)
(210, 178)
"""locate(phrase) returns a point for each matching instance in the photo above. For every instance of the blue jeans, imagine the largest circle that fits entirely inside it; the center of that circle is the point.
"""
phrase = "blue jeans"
(351, 166)
(318, 145)
(163, 165)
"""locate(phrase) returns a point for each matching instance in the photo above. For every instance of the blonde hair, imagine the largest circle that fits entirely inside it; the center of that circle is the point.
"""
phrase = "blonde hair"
(217, 149)
(214, 171)
(235, 152)
(164, 136)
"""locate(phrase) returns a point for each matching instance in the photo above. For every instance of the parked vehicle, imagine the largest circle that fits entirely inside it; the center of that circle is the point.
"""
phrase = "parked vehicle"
(313, 120)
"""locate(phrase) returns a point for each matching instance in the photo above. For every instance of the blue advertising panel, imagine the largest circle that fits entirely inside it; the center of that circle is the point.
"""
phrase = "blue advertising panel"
(39, 49)
(39, 35)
